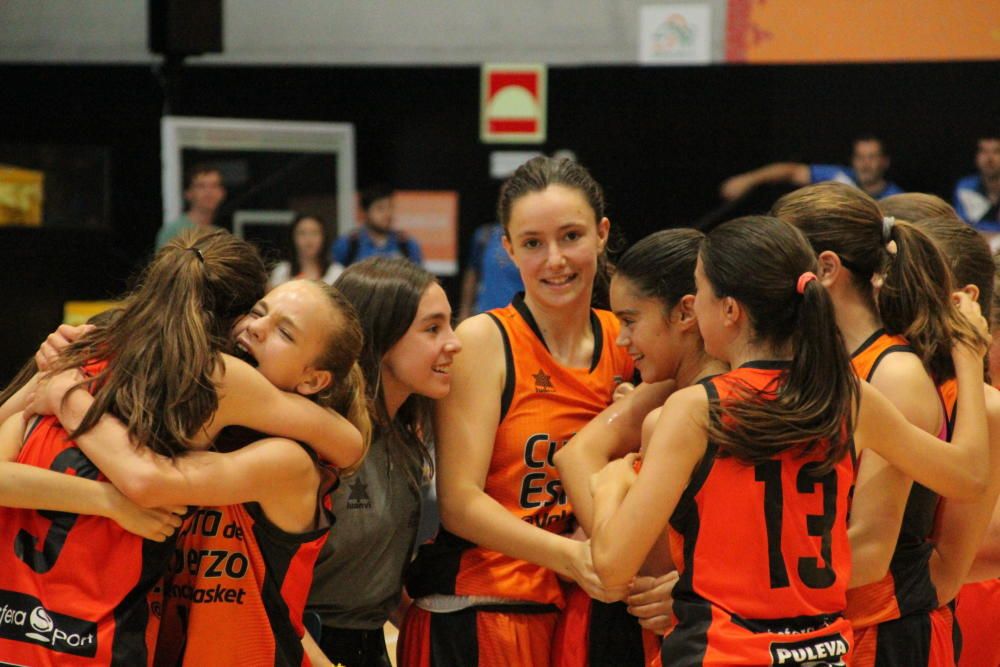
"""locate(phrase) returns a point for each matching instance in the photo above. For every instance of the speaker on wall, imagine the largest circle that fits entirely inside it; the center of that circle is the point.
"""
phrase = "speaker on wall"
(185, 27)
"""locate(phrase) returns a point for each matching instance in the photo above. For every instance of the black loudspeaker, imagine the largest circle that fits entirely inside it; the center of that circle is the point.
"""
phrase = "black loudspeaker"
(185, 27)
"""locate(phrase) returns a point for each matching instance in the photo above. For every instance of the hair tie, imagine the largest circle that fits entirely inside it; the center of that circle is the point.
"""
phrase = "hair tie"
(804, 280)
(197, 251)
(888, 222)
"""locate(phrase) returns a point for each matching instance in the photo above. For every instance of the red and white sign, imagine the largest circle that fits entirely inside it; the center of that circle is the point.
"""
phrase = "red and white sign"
(513, 106)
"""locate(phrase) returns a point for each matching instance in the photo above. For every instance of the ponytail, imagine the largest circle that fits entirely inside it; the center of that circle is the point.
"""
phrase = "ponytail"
(785, 308)
(915, 301)
(162, 344)
(349, 398)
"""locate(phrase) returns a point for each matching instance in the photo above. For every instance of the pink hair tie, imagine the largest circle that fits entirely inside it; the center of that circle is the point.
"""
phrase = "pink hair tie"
(804, 280)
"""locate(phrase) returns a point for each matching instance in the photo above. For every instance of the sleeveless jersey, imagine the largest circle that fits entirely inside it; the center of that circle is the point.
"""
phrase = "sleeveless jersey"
(74, 589)
(542, 406)
(906, 587)
(761, 550)
(236, 588)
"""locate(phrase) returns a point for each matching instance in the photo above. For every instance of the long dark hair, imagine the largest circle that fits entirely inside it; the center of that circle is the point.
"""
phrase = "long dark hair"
(539, 173)
(661, 265)
(915, 297)
(386, 294)
(324, 254)
(758, 260)
(162, 344)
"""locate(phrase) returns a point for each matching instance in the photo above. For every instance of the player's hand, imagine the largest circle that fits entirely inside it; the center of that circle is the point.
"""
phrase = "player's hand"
(56, 342)
(971, 311)
(619, 473)
(581, 569)
(49, 392)
(155, 524)
(650, 600)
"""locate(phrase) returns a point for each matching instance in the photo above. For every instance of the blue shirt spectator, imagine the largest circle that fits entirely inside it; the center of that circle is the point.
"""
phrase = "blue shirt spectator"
(359, 245)
(842, 174)
(375, 237)
(977, 197)
(491, 279)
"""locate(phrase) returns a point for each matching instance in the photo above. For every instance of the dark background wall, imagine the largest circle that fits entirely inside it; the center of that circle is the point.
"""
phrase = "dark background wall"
(660, 140)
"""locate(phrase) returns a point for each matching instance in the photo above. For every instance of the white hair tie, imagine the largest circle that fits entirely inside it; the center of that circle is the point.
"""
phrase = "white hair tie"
(888, 222)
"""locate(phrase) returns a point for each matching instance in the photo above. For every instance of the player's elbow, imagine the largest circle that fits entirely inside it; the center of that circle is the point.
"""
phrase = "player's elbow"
(143, 488)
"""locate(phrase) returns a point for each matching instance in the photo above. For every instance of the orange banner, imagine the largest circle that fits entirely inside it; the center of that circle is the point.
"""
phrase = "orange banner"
(821, 31)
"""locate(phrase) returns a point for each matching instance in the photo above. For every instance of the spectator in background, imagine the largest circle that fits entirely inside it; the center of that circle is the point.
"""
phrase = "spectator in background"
(977, 196)
(869, 162)
(309, 259)
(491, 279)
(376, 237)
(203, 192)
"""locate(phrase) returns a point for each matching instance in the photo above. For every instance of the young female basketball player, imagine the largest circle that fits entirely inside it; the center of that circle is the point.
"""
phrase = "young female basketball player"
(260, 521)
(530, 376)
(753, 470)
(407, 357)
(652, 293)
(163, 374)
(890, 288)
(960, 527)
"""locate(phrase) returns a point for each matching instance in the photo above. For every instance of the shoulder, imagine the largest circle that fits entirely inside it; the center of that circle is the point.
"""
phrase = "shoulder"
(691, 400)
(992, 405)
(970, 182)
(827, 172)
(479, 333)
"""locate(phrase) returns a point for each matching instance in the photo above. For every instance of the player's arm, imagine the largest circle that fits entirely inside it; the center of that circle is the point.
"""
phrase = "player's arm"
(737, 186)
(987, 562)
(30, 487)
(613, 433)
(631, 511)
(963, 525)
(465, 425)
(881, 491)
(958, 470)
(315, 654)
(247, 398)
(260, 471)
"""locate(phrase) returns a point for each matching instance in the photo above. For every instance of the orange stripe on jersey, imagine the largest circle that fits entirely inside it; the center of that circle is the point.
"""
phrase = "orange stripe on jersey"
(73, 588)
(236, 590)
(542, 407)
(907, 587)
(762, 550)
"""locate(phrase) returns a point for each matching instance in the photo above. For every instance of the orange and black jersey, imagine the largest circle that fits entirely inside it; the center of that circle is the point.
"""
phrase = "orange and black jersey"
(907, 587)
(762, 550)
(236, 588)
(543, 405)
(74, 589)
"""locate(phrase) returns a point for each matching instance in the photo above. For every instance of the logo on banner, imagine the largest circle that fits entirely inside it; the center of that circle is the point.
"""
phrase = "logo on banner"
(670, 34)
(513, 104)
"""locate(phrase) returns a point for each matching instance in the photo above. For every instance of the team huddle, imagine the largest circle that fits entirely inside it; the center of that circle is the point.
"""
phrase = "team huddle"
(778, 446)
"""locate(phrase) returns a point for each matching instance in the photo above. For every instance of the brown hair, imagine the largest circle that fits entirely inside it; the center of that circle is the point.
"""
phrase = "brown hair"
(539, 173)
(915, 296)
(798, 412)
(968, 255)
(661, 265)
(162, 343)
(915, 206)
(386, 294)
(346, 394)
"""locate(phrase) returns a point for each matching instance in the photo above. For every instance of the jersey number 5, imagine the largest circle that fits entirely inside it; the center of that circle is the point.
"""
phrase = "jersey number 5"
(810, 572)
(26, 545)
